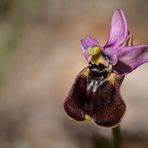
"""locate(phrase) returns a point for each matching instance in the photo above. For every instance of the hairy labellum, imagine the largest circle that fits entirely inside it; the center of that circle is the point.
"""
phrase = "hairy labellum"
(95, 97)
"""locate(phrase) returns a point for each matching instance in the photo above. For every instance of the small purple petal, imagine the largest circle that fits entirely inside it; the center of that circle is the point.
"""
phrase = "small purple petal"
(86, 43)
(130, 58)
(118, 30)
(111, 55)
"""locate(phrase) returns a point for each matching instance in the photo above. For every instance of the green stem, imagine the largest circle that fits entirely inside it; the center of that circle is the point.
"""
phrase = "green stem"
(117, 137)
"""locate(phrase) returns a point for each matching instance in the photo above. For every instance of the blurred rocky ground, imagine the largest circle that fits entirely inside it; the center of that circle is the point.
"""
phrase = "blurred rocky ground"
(39, 59)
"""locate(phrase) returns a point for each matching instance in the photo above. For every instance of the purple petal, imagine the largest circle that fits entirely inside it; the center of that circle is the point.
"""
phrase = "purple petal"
(130, 58)
(118, 30)
(86, 43)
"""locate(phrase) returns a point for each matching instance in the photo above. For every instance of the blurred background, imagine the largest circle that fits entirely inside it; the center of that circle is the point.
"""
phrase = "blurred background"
(39, 58)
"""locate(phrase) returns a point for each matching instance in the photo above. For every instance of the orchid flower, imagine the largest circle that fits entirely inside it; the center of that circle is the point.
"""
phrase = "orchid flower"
(95, 93)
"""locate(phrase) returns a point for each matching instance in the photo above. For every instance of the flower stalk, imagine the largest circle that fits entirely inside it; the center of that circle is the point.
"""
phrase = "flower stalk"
(117, 137)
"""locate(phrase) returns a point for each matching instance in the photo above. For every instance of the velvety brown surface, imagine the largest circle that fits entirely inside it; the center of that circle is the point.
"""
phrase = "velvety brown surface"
(105, 105)
(76, 99)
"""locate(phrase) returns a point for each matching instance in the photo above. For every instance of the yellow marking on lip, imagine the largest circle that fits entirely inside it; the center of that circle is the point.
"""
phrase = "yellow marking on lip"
(99, 59)
(87, 117)
(85, 71)
(112, 78)
(96, 57)
(93, 51)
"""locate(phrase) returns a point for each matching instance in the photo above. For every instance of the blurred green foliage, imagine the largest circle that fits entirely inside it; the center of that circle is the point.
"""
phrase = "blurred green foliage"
(5, 6)
(101, 142)
(13, 14)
